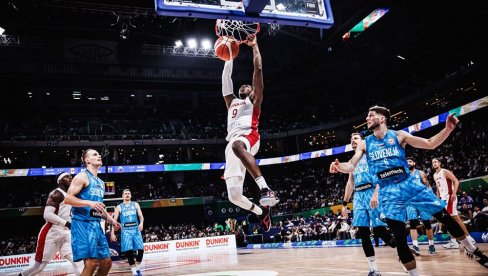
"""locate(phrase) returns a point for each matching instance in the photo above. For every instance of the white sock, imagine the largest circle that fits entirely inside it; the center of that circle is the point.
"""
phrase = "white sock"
(413, 272)
(415, 243)
(453, 240)
(468, 245)
(134, 270)
(372, 263)
(261, 182)
(138, 267)
(431, 242)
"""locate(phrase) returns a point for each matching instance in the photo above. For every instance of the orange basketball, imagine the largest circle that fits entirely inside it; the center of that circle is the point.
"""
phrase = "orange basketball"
(226, 48)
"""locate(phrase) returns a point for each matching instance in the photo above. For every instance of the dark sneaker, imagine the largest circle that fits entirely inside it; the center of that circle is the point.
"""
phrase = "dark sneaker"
(265, 218)
(139, 273)
(268, 197)
(478, 256)
(415, 250)
(431, 249)
(374, 273)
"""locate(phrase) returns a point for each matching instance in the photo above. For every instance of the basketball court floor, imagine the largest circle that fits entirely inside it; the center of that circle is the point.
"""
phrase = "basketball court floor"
(303, 261)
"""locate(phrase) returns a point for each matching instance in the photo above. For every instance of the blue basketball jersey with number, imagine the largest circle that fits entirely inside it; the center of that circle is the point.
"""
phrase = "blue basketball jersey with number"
(417, 177)
(386, 158)
(363, 185)
(93, 192)
(128, 216)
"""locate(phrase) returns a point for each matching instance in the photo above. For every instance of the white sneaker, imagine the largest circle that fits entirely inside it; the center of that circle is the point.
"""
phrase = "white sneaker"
(451, 245)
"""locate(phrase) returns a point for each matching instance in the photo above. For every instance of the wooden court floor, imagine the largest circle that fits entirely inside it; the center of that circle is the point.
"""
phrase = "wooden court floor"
(301, 262)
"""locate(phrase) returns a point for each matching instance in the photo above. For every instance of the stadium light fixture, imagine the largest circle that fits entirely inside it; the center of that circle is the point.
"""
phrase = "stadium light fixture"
(2, 30)
(178, 43)
(206, 44)
(192, 43)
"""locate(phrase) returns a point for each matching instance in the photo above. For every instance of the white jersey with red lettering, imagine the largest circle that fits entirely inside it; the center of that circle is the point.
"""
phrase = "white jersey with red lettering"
(55, 238)
(446, 190)
(242, 118)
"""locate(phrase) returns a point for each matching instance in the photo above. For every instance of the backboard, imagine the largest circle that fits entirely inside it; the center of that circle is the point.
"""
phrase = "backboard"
(306, 13)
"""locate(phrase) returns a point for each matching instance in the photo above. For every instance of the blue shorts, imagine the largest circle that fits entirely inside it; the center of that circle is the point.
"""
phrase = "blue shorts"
(363, 215)
(413, 213)
(88, 240)
(396, 196)
(131, 240)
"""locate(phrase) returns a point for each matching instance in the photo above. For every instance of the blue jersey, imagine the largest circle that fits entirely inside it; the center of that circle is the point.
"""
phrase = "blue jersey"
(128, 216)
(93, 192)
(417, 177)
(386, 158)
(361, 174)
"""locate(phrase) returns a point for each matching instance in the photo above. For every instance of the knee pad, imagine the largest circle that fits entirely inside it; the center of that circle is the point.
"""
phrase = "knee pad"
(399, 231)
(234, 188)
(140, 253)
(414, 223)
(451, 225)
(427, 224)
(130, 257)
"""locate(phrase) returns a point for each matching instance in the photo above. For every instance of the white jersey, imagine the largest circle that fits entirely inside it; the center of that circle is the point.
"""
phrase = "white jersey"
(242, 118)
(64, 210)
(444, 184)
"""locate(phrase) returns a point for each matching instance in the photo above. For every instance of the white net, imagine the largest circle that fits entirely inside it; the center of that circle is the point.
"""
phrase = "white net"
(237, 29)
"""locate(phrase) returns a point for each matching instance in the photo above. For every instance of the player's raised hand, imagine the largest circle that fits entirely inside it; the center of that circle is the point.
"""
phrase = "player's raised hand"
(451, 122)
(334, 166)
(251, 40)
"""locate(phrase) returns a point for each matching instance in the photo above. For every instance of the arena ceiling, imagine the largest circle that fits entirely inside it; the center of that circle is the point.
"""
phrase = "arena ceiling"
(415, 42)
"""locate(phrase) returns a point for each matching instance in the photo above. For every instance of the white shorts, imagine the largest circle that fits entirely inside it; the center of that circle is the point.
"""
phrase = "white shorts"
(51, 240)
(233, 165)
(451, 208)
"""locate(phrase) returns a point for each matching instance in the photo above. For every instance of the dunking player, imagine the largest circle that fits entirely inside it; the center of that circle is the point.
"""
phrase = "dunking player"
(363, 215)
(131, 237)
(413, 213)
(447, 186)
(242, 127)
(86, 196)
(385, 153)
(55, 235)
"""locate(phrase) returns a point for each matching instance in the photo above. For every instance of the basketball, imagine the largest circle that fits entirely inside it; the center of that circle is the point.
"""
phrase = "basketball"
(226, 48)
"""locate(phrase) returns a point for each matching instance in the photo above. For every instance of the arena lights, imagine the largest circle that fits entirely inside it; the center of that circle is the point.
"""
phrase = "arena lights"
(178, 43)
(2, 30)
(192, 43)
(206, 44)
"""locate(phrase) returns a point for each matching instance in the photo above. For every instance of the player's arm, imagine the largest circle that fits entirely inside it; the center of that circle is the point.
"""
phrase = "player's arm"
(227, 84)
(257, 78)
(52, 203)
(116, 217)
(348, 167)
(79, 182)
(141, 217)
(423, 176)
(454, 180)
(347, 195)
(432, 143)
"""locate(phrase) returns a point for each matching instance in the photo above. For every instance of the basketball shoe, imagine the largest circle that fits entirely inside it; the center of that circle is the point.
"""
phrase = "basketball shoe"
(478, 256)
(265, 218)
(268, 197)
(431, 249)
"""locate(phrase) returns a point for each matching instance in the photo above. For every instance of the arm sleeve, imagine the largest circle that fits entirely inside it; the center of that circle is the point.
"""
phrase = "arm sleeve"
(51, 217)
(227, 85)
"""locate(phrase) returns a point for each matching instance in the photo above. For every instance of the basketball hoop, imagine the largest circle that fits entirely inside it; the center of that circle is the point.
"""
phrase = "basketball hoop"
(237, 29)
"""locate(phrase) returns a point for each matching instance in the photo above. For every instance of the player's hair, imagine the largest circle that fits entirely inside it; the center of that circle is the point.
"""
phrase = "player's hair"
(83, 155)
(383, 111)
(438, 159)
(357, 133)
(411, 158)
(125, 190)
